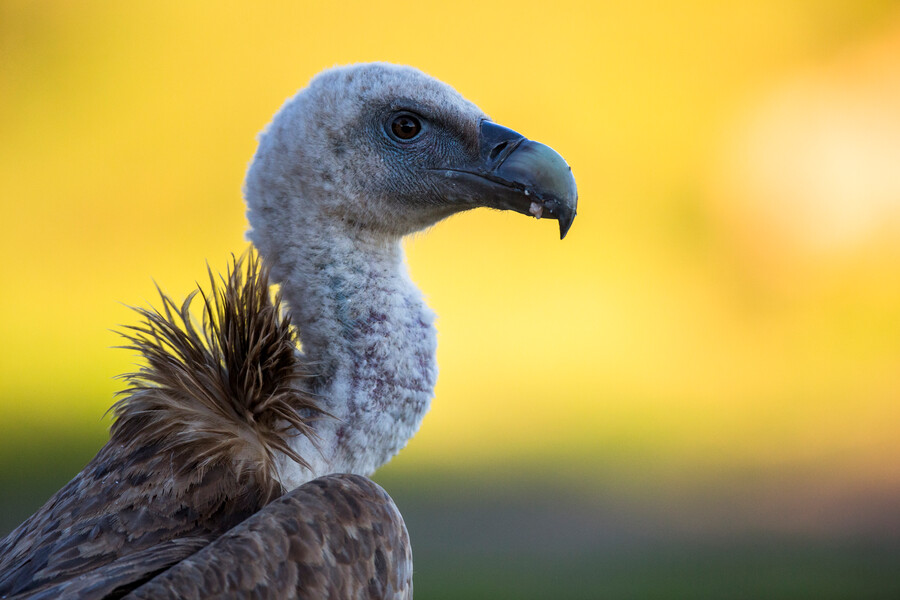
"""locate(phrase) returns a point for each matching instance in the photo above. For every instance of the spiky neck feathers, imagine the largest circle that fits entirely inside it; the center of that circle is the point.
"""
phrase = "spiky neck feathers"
(221, 392)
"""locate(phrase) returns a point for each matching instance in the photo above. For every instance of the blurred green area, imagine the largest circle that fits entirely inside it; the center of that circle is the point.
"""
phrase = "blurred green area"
(529, 534)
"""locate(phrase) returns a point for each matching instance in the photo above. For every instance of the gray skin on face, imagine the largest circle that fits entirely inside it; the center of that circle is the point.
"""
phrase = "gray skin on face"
(332, 146)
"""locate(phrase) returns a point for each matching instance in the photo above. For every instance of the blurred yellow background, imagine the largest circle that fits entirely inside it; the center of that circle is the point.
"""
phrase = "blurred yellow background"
(726, 306)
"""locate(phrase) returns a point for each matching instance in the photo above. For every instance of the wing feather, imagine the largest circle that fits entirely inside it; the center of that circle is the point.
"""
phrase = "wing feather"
(117, 578)
(339, 536)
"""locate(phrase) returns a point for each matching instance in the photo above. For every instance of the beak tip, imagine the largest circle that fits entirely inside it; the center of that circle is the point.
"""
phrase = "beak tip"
(565, 223)
(566, 209)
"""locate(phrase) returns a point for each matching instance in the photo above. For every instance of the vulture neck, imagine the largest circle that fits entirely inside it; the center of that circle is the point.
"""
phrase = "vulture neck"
(367, 334)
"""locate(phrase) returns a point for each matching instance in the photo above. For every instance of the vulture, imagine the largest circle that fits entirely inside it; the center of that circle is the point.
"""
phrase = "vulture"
(238, 460)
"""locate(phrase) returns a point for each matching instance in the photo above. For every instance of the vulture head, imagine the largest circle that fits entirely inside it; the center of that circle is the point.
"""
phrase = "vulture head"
(361, 157)
(387, 149)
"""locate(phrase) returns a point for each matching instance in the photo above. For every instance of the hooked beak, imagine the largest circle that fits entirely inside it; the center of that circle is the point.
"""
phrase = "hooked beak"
(515, 173)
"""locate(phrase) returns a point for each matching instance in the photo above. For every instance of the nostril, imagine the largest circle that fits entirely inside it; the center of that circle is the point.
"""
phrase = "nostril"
(496, 150)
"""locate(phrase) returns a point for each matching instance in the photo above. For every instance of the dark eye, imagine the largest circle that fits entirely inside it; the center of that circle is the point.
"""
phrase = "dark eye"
(405, 127)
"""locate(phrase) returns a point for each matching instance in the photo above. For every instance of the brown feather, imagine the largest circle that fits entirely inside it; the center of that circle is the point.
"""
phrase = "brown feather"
(224, 388)
(192, 449)
(338, 536)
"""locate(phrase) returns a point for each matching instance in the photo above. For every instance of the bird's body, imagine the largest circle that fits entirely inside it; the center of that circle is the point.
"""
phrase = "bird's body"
(230, 416)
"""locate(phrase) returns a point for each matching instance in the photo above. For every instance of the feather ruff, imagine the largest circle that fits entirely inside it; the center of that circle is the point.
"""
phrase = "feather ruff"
(223, 391)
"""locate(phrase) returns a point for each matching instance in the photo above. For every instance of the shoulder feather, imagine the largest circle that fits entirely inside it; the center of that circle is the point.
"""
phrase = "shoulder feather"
(339, 536)
(223, 390)
(192, 448)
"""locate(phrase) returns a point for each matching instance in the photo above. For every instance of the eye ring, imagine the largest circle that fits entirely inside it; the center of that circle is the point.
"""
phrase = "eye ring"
(405, 127)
